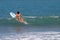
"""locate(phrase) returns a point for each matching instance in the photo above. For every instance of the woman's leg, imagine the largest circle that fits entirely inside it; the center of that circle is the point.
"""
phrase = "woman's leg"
(20, 19)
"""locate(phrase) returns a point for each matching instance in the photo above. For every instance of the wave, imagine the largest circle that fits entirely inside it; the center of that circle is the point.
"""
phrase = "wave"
(32, 20)
(31, 36)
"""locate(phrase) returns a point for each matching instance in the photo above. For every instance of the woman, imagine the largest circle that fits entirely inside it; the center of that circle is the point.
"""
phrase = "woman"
(19, 17)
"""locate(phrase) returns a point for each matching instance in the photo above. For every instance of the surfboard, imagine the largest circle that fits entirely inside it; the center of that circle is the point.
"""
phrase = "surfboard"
(13, 15)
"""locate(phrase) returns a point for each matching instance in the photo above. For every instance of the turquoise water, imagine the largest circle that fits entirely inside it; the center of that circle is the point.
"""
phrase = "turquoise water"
(32, 20)
(30, 7)
(43, 17)
(38, 27)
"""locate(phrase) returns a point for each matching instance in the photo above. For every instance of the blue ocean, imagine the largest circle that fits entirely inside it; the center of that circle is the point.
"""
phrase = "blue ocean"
(43, 17)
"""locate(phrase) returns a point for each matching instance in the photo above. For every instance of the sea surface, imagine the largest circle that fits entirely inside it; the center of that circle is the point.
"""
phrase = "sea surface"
(30, 7)
(43, 17)
(38, 28)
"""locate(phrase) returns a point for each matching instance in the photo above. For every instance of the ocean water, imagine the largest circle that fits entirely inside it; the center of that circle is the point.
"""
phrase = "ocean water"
(38, 28)
(30, 7)
(43, 17)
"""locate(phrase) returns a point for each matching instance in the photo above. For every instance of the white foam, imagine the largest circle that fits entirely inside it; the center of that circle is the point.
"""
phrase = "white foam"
(30, 16)
(32, 36)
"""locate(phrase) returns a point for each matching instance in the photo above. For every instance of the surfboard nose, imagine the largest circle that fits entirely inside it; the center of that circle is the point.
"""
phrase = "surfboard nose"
(12, 15)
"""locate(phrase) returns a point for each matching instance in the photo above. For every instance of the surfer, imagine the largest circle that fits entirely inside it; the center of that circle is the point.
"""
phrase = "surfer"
(19, 16)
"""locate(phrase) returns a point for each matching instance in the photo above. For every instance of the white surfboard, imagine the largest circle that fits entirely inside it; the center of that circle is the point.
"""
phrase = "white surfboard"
(13, 15)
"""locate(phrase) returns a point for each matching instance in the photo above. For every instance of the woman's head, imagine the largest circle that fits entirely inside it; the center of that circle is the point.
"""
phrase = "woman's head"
(18, 12)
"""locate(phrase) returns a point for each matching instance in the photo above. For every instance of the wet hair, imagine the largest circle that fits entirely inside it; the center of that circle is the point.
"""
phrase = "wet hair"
(18, 12)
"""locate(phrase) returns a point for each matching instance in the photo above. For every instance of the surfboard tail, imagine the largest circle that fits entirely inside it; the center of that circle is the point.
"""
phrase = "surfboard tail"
(25, 22)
